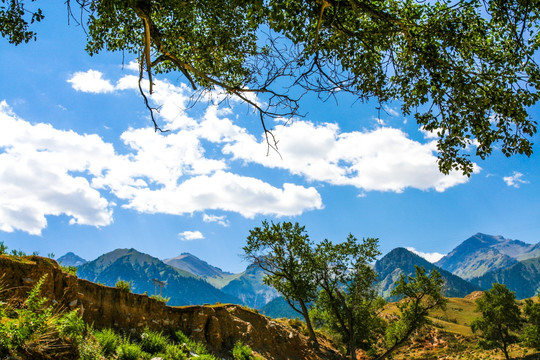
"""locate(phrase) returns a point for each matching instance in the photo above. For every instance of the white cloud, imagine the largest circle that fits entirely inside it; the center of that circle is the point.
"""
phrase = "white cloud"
(431, 257)
(379, 121)
(228, 192)
(190, 235)
(221, 220)
(383, 160)
(61, 172)
(132, 65)
(430, 135)
(515, 180)
(91, 81)
(380, 160)
(41, 174)
(391, 111)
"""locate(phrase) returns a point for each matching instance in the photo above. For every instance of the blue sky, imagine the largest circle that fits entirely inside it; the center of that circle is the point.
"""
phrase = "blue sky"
(82, 170)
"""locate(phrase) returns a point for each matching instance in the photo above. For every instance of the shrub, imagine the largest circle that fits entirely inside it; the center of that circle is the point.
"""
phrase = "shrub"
(174, 352)
(181, 338)
(123, 285)
(89, 349)
(153, 342)
(242, 352)
(160, 298)
(128, 351)
(72, 325)
(108, 340)
(30, 329)
(69, 269)
(207, 357)
(3, 248)
(198, 348)
(18, 253)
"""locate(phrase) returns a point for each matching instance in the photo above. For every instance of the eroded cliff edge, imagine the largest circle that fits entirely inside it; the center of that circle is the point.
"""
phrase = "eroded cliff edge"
(218, 326)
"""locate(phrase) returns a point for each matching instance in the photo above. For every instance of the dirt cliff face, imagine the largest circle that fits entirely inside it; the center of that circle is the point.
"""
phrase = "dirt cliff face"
(218, 326)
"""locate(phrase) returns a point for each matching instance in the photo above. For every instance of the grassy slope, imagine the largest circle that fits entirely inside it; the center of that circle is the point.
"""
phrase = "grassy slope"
(451, 337)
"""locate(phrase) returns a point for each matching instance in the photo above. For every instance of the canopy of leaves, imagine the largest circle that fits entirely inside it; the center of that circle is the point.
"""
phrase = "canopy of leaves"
(284, 252)
(500, 318)
(15, 19)
(348, 303)
(466, 69)
(281, 250)
(421, 294)
(531, 333)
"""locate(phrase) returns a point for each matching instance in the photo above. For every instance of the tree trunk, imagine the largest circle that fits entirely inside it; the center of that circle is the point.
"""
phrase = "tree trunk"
(311, 332)
(352, 339)
(505, 351)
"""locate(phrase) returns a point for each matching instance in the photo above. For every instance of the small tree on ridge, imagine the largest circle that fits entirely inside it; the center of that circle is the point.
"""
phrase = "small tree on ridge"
(500, 318)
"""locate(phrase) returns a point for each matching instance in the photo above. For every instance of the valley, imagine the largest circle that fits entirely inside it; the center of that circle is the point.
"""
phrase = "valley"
(201, 296)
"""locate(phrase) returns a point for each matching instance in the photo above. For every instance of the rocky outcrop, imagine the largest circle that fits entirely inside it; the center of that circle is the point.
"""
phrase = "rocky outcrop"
(218, 326)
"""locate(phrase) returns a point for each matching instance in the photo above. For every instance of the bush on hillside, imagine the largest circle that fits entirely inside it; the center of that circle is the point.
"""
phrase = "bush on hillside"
(123, 285)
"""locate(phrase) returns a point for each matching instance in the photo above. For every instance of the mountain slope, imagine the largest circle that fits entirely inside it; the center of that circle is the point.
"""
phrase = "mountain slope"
(402, 261)
(483, 253)
(468, 265)
(250, 289)
(194, 265)
(279, 308)
(140, 269)
(534, 252)
(523, 278)
(70, 259)
(247, 286)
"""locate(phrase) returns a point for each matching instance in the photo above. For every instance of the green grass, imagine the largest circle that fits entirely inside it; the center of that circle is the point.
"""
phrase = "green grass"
(456, 340)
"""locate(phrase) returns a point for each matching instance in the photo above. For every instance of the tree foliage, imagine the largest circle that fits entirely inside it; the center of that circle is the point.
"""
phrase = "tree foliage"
(15, 20)
(466, 69)
(531, 333)
(348, 303)
(421, 294)
(339, 281)
(500, 318)
(284, 253)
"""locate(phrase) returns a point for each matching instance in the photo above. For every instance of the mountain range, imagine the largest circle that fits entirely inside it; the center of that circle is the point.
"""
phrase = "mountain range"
(70, 259)
(473, 265)
(247, 286)
(483, 253)
(182, 287)
(402, 261)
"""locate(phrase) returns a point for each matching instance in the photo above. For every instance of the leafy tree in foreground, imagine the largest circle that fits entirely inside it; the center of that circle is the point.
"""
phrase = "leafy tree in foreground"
(421, 294)
(500, 318)
(348, 303)
(284, 253)
(531, 333)
(466, 69)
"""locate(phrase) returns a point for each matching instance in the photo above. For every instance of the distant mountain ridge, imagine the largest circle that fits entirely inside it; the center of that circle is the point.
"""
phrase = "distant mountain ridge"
(247, 286)
(71, 259)
(481, 253)
(482, 259)
(196, 266)
(523, 278)
(140, 269)
(250, 289)
(402, 261)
